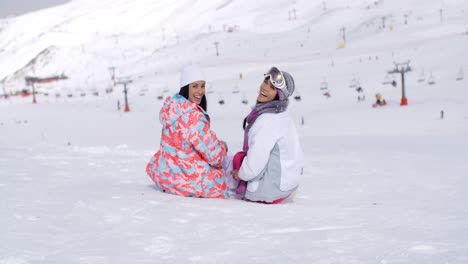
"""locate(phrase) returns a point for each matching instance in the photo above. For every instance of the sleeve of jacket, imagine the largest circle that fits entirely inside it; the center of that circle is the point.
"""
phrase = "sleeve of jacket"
(204, 140)
(262, 140)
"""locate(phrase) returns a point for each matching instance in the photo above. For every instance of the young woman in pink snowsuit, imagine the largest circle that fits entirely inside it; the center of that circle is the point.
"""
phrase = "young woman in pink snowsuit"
(270, 165)
(189, 161)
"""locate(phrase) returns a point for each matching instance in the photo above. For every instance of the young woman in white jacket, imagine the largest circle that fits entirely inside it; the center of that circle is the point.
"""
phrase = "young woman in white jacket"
(271, 163)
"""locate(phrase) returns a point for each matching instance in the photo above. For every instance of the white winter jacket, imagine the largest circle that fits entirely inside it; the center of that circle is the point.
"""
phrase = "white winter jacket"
(274, 161)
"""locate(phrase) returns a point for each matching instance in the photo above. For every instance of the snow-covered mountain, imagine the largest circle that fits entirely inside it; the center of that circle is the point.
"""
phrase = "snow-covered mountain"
(142, 38)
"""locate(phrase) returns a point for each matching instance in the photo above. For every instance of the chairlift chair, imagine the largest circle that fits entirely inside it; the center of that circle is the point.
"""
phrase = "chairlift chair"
(460, 75)
(358, 84)
(221, 100)
(160, 94)
(166, 89)
(422, 77)
(387, 80)
(324, 86)
(431, 80)
(80, 91)
(297, 97)
(143, 92)
(210, 89)
(244, 100)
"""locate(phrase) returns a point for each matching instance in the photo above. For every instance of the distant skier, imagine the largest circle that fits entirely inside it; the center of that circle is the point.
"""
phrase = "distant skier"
(271, 163)
(379, 100)
(378, 97)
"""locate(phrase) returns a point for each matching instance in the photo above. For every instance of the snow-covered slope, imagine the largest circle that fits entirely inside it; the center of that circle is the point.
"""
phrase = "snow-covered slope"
(142, 37)
(385, 185)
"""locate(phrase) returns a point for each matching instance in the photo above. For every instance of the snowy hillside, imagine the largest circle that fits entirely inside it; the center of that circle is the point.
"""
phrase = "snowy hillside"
(142, 38)
(381, 185)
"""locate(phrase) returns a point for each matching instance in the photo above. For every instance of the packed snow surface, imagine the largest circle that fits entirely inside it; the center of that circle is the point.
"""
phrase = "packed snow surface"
(381, 185)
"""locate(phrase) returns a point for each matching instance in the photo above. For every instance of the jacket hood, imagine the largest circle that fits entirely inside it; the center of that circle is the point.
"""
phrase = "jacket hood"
(174, 108)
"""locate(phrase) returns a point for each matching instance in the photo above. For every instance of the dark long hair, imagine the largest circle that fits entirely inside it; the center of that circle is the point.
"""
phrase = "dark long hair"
(184, 91)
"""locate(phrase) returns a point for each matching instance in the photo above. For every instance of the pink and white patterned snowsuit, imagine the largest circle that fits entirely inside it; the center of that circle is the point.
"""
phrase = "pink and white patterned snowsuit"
(189, 160)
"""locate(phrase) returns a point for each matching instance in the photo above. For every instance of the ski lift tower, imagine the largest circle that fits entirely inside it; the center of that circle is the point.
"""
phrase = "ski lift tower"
(125, 82)
(402, 68)
(31, 81)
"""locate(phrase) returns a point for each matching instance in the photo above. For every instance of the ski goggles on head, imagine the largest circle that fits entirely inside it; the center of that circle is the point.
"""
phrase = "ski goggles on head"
(276, 78)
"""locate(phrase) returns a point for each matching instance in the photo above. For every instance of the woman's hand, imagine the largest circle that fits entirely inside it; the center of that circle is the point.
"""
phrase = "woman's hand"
(235, 174)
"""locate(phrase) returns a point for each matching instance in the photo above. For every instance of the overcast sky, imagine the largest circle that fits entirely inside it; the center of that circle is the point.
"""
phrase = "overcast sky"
(17, 7)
